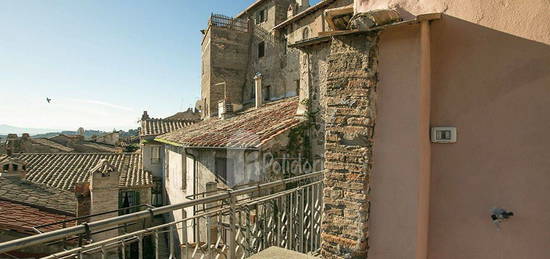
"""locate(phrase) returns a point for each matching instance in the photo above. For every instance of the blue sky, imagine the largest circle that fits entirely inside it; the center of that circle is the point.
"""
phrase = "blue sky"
(101, 61)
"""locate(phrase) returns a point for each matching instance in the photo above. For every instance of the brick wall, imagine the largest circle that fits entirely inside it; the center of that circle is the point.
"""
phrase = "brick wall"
(351, 88)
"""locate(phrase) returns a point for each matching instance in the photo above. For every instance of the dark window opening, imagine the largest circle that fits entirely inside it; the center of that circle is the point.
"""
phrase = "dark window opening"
(297, 87)
(261, 49)
(15, 167)
(128, 199)
(261, 16)
(156, 192)
(267, 93)
(224, 167)
(6, 168)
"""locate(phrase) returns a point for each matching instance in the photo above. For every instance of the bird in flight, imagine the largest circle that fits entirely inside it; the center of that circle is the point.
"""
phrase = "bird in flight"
(48, 99)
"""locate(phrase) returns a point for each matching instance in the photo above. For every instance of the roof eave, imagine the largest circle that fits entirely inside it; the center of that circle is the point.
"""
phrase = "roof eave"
(326, 36)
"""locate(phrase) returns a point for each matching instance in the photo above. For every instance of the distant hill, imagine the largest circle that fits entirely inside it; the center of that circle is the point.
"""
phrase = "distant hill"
(87, 133)
(7, 129)
(47, 133)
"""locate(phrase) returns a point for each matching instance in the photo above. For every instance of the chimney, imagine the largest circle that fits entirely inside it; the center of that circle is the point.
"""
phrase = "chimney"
(13, 167)
(10, 144)
(83, 200)
(258, 84)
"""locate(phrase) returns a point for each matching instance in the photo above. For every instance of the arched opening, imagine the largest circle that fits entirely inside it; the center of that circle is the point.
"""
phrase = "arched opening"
(305, 33)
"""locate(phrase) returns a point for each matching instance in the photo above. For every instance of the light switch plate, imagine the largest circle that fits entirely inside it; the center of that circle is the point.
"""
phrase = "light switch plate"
(443, 134)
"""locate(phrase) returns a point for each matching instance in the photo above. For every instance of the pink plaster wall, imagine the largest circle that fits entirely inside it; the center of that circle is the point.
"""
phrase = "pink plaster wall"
(392, 223)
(491, 80)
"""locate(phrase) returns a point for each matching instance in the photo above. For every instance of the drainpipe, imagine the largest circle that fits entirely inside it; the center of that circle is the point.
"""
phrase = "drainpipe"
(258, 88)
(423, 209)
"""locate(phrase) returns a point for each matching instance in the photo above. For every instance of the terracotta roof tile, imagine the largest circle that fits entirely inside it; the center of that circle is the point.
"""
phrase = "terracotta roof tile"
(49, 143)
(102, 147)
(22, 218)
(26, 192)
(248, 129)
(64, 170)
(155, 127)
(188, 115)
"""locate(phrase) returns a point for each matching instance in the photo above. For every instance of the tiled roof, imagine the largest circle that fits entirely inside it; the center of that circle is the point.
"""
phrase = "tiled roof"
(64, 170)
(37, 195)
(102, 147)
(3, 157)
(22, 218)
(188, 115)
(49, 143)
(155, 127)
(248, 129)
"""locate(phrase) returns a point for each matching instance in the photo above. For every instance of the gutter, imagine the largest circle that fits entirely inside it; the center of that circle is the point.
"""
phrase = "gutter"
(203, 147)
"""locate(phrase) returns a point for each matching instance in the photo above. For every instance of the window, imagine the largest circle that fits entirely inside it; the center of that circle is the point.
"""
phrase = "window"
(6, 167)
(156, 192)
(15, 167)
(261, 16)
(261, 49)
(267, 93)
(224, 167)
(305, 33)
(128, 199)
(155, 154)
(297, 87)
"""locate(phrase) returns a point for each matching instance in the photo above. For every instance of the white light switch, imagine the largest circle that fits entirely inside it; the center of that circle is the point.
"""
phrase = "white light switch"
(443, 134)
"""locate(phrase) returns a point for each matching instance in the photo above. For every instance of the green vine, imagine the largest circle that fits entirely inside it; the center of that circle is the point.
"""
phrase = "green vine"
(299, 137)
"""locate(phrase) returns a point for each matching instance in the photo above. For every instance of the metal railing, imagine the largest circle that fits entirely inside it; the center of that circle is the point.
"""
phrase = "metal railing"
(220, 20)
(74, 221)
(236, 224)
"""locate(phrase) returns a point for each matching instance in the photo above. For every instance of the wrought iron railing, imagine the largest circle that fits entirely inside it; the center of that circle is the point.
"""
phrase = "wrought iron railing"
(235, 224)
(220, 20)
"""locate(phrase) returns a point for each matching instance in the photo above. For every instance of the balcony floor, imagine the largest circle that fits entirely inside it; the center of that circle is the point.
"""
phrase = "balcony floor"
(280, 253)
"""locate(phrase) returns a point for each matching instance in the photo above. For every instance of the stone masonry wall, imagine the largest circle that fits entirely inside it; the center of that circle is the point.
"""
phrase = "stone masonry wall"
(351, 90)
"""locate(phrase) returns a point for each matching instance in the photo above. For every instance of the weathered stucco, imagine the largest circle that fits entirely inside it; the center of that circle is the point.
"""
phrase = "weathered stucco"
(490, 79)
(524, 19)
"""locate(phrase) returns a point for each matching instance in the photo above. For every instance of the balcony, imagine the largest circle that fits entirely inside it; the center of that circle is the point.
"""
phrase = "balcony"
(228, 224)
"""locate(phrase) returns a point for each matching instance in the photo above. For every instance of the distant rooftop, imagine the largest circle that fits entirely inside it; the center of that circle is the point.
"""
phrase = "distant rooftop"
(64, 170)
(51, 144)
(155, 127)
(22, 218)
(32, 194)
(189, 115)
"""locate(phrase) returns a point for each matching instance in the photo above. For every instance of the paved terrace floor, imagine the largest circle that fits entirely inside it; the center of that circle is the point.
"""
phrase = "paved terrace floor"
(280, 253)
